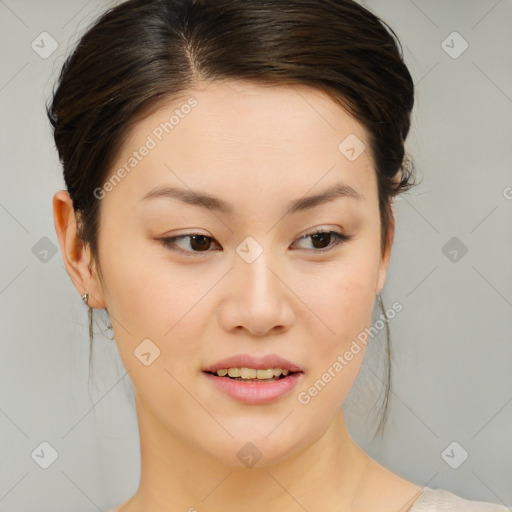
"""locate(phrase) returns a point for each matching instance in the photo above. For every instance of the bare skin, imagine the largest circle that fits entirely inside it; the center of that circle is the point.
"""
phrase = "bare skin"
(257, 148)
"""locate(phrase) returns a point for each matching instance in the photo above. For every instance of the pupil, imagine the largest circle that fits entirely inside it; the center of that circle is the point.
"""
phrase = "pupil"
(321, 236)
(201, 238)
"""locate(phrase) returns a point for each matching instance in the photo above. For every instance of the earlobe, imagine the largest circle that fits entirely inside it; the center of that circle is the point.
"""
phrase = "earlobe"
(75, 254)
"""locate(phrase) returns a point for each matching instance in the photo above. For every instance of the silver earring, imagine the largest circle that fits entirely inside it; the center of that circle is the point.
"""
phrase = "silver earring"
(85, 297)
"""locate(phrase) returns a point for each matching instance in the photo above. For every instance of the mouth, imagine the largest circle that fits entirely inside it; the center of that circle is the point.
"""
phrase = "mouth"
(254, 379)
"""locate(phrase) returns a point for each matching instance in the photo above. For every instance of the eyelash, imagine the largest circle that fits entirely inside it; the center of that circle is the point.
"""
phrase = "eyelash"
(169, 242)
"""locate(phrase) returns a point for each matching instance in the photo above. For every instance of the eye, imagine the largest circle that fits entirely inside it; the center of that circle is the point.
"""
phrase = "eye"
(197, 241)
(321, 238)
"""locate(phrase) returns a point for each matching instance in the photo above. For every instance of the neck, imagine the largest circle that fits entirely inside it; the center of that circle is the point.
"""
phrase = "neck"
(324, 476)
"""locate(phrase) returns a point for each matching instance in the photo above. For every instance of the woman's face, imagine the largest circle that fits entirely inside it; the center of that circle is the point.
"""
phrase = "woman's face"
(254, 283)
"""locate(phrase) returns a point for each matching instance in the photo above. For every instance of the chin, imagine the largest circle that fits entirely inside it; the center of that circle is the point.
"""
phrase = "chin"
(257, 451)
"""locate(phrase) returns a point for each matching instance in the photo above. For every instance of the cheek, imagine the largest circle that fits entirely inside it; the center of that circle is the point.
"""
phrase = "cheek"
(151, 298)
(342, 293)
(143, 289)
(346, 306)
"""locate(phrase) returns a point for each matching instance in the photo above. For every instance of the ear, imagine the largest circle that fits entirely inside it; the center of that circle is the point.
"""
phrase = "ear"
(383, 269)
(75, 254)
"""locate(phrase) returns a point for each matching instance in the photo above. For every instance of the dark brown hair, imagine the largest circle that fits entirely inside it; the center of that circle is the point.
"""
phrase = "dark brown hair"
(141, 53)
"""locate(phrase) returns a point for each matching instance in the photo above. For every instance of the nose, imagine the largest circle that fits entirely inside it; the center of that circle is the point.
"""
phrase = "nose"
(256, 297)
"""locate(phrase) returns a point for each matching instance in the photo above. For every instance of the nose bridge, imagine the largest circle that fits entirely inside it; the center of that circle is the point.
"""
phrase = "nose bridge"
(252, 271)
(257, 299)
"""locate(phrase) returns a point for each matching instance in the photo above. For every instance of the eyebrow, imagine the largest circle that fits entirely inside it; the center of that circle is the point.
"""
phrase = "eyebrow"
(204, 200)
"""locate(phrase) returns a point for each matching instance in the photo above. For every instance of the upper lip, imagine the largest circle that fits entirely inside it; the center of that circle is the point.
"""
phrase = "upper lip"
(256, 362)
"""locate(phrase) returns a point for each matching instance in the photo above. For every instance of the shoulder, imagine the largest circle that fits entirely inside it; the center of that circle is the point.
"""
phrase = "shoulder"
(441, 500)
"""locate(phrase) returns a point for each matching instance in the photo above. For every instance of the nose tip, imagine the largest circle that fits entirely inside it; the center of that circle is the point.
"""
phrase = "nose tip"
(258, 300)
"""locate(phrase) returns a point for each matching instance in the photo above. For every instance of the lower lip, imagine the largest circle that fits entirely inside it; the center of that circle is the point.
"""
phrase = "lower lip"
(260, 392)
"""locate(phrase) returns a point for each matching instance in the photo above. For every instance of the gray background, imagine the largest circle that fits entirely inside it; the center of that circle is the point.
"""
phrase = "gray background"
(451, 344)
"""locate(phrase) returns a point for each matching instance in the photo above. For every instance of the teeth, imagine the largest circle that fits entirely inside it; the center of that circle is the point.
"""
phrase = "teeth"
(248, 373)
(251, 373)
(234, 372)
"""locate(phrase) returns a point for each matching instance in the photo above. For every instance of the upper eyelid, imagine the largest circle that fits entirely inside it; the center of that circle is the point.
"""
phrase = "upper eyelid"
(312, 231)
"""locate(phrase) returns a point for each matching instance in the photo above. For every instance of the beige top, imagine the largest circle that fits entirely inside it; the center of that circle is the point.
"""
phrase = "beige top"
(440, 500)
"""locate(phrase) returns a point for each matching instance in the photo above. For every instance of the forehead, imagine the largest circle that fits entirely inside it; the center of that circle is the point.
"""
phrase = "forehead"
(251, 114)
(243, 136)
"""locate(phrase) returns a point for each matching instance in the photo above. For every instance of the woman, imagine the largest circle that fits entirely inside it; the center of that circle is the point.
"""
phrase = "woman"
(230, 170)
